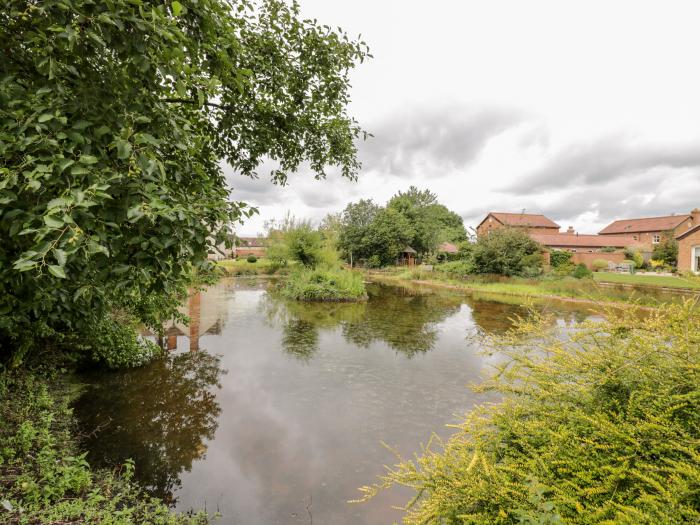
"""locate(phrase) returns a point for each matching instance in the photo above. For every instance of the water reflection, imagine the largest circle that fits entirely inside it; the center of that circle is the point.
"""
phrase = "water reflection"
(311, 392)
(160, 415)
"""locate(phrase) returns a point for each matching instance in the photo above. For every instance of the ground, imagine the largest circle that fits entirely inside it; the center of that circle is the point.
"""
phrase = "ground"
(647, 280)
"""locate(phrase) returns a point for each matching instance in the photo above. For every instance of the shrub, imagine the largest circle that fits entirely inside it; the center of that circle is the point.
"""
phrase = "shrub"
(582, 272)
(251, 258)
(598, 427)
(375, 261)
(634, 255)
(505, 251)
(600, 264)
(456, 269)
(558, 258)
(667, 250)
(324, 284)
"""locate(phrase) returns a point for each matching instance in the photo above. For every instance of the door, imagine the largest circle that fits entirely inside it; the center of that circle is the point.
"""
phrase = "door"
(696, 259)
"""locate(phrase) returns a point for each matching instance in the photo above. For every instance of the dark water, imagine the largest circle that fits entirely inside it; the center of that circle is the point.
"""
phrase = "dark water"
(272, 412)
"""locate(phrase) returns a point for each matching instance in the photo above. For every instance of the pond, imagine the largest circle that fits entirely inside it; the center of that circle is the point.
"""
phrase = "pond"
(274, 412)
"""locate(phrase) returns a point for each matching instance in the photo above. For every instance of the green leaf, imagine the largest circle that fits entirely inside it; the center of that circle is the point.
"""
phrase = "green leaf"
(79, 170)
(88, 159)
(44, 117)
(177, 8)
(52, 222)
(57, 271)
(123, 149)
(60, 256)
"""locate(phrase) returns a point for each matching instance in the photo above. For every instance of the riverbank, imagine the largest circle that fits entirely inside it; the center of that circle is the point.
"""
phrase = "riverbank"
(583, 291)
(44, 476)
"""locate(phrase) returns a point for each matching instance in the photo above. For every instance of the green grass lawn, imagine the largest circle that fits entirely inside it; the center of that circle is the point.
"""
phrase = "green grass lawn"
(647, 280)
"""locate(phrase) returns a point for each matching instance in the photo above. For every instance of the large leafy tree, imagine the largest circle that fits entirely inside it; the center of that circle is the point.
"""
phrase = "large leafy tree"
(115, 118)
(356, 220)
(432, 222)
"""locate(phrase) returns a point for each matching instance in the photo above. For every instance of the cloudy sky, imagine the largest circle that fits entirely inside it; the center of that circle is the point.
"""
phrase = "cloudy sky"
(585, 111)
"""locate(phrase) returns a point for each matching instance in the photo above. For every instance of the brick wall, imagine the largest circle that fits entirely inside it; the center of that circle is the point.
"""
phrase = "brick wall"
(685, 251)
(588, 258)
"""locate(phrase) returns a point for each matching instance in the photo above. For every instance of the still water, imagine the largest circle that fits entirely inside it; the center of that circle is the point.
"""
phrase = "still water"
(272, 412)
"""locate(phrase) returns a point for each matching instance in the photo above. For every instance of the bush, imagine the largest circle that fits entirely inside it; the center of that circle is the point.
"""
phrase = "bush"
(505, 251)
(558, 258)
(600, 427)
(456, 269)
(600, 264)
(634, 255)
(324, 284)
(582, 272)
(251, 258)
(375, 261)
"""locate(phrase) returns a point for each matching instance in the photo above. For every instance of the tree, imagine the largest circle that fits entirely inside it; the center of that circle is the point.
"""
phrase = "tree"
(507, 251)
(666, 250)
(356, 220)
(294, 240)
(432, 222)
(387, 235)
(114, 120)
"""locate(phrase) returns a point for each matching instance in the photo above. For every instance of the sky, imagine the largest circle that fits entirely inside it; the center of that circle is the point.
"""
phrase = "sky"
(585, 111)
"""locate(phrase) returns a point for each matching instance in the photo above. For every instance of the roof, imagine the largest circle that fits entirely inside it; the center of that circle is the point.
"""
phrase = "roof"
(686, 233)
(583, 241)
(648, 224)
(522, 219)
(408, 249)
(447, 247)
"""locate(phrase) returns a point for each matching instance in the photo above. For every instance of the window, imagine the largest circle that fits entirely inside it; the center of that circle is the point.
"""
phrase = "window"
(635, 237)
(656, 239)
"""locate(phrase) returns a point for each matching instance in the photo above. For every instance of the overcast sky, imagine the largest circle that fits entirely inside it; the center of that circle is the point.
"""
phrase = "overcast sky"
(585, 111)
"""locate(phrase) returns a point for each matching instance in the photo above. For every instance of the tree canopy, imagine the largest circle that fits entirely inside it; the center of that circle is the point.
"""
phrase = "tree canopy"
(115, 118)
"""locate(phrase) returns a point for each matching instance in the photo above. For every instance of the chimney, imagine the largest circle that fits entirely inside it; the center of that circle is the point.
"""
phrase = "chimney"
(570, 231)
(695, 215)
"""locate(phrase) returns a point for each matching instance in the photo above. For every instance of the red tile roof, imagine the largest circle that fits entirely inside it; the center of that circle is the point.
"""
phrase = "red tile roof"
(447, 247)
(523, 219)
(251, 242)
(649, 224)
(583, 241)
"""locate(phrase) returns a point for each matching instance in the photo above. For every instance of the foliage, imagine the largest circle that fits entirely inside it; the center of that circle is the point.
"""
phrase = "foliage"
(582, 272)
(634, 255)
(388, 235)
(598, 427)
(355, 221)
(667, 250)
(251, 258)
(465, 249)
(324, 284)
(456, 269)
(507, 251)
(264, 266)
(558, 258)
(432, 223)
(114, 119)
(294, 240)
(600, 264)
(45, 478)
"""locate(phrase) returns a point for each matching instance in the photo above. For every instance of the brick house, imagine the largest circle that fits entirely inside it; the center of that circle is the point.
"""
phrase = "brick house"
(245, 246)
(586, 248)
(689, 250)
(650, 230)
(529, 222)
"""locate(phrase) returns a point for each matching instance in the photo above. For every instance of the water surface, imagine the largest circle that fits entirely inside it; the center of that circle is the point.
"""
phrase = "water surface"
(274, 412)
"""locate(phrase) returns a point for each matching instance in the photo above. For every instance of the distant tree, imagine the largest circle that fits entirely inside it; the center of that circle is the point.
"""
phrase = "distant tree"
(355, 221)
(388, 235)
(294, 240)
(667, 250)
(507, 251)
(432, 222)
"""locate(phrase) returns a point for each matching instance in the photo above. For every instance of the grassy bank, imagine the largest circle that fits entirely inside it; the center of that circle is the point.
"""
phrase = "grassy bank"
(324, 284)
(567, 288)
(663, 281)
(44, 477)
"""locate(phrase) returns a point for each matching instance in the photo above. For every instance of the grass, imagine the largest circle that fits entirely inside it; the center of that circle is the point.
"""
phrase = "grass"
(44, 477)
(648, 280)
(324, 284)
(544, 287)
(242, 267)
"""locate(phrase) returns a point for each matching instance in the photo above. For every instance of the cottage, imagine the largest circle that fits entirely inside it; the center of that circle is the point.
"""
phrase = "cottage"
(245, 246)
(650, 230)
(529, 222)
(689, 250)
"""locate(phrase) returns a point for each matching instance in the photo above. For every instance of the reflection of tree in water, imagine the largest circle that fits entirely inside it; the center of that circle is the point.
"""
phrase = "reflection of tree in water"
(158, 415)
(405, 319)
(493, 317)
